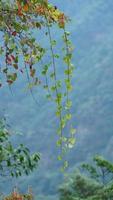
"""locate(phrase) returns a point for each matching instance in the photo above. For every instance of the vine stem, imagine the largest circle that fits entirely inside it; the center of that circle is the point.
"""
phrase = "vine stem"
(28, 78)
(68, 65)
(55, 78)
(46, 80)
(27, 74)
(68, 70)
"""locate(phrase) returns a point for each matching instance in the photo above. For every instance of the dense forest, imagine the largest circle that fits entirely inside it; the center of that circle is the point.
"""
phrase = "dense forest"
(58, 150)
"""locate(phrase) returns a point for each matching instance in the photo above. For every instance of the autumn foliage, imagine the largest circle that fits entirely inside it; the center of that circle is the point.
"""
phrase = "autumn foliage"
(15, 195)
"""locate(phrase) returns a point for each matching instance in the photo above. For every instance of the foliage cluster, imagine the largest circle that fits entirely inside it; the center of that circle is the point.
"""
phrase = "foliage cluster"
(95, 184)
(22, 54)
(15, 195)
(14, 161)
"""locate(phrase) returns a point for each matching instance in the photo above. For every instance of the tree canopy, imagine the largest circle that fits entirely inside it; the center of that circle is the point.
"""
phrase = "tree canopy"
(22, 54)
(14, 161)
(92, 182)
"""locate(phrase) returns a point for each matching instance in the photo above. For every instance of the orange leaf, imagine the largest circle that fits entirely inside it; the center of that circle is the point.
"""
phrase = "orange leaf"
(26, 7)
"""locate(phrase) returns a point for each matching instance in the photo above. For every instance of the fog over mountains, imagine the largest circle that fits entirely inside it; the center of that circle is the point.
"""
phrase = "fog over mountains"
(92, 35)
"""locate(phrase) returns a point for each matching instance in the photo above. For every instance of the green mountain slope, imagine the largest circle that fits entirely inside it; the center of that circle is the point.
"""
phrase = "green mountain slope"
(92, 35)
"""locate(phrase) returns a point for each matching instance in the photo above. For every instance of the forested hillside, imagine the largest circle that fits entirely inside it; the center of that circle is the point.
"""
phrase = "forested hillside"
(92, 35)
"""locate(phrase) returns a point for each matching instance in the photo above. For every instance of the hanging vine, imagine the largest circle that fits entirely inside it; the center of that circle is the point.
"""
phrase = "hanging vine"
(17, 20)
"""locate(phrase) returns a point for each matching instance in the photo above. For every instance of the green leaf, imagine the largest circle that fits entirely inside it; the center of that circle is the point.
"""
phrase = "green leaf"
(68, 72)
(68, 116)
(53, 88)
(52, 75)
(68, 58)
(59, 142)
(72, 131)
(71, 142)
(56, 56)
(53, 42)
(59, 157)
(68, 84)
(68, 105)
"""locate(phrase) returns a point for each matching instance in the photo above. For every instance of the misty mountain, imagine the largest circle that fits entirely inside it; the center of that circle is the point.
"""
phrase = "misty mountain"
(92, 35)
